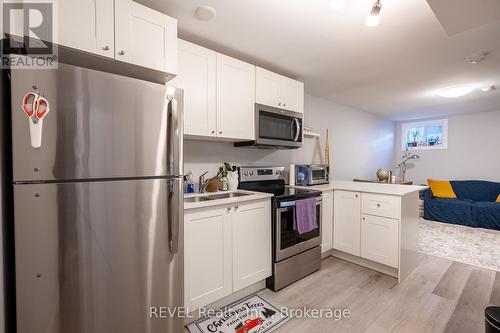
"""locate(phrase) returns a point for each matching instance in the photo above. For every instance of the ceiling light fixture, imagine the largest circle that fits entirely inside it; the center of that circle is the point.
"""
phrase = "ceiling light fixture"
(489, 88)
(336, 5)
(205, 13)
(477, 57)
(374, 18)
(456, 91)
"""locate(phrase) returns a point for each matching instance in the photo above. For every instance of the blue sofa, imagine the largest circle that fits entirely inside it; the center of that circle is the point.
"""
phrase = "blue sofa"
(475, 205)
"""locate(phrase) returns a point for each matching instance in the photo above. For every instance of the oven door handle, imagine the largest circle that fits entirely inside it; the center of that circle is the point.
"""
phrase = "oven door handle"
(297, 128)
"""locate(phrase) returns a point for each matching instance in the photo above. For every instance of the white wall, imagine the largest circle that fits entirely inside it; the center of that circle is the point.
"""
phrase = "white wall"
(473, 150)
(360, 144)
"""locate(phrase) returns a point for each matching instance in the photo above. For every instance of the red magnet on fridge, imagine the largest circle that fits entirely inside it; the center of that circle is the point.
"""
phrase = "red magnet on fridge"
(36, 108)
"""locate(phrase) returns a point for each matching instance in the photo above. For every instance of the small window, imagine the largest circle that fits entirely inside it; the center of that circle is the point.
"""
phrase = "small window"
(431, 134)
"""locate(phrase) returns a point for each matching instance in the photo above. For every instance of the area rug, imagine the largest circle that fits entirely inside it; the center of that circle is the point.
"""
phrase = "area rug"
(253, 314)
(473, 246)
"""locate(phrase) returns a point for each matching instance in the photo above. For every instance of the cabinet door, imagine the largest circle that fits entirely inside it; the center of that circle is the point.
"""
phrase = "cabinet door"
(197, 76)
(207, 257)
(327, 222)
(251, 230)
(379, 240)
(87, 25)
(145, 37)
(292, 95)
(235, 99)
(267, 87)
(347, 218)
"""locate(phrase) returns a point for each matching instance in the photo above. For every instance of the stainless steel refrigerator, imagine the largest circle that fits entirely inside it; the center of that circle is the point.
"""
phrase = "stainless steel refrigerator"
(98, 207)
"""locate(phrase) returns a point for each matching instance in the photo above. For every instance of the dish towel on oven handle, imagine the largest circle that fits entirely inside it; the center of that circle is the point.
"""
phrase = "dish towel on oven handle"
(305, 215)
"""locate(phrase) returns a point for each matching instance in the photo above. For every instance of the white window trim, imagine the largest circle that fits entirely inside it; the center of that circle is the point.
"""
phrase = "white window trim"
(443, 122)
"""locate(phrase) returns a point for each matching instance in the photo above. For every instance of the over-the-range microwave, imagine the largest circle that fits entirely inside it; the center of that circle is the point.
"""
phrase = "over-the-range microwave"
(276, 128)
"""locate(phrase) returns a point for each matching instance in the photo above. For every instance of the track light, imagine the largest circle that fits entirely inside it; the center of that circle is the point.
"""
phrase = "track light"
(374, 18)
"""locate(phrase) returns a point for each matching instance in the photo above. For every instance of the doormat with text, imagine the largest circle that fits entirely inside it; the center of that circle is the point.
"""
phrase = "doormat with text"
(253, 314)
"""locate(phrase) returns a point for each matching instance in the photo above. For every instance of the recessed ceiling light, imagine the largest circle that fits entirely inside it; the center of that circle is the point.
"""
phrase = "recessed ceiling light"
(374, 18)
(477, 57)
(336, 4)
(456, 91)
(205, 13)
(489, 88)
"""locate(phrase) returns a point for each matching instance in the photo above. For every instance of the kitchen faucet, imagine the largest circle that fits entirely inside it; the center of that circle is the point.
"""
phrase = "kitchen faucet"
(202, 184)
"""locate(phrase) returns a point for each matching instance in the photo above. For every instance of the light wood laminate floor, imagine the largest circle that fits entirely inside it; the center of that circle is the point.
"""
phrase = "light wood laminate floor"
(439, 296)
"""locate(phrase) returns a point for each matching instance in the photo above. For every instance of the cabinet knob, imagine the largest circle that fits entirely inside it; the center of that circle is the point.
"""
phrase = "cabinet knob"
(279, 103)
(356, 195)
(236, 207)
(228, 209)
(284, 104)
(121, 52)
(378, 205)
(220, 132)
(364, 218)
(213, 132)
(106, 48)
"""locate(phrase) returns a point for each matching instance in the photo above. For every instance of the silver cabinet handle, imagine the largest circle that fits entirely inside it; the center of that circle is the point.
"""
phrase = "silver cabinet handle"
(106, 48)
(121, 52)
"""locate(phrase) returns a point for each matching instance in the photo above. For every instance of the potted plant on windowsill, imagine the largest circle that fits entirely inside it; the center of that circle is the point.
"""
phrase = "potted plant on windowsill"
(415, 136)
(432, 140)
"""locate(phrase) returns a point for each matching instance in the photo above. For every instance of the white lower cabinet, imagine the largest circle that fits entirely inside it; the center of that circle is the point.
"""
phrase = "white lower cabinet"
(327, 222)
(364, 226)
(380, 240)
(251, 231)
(226, 248)
(347, 215)
(207, 256)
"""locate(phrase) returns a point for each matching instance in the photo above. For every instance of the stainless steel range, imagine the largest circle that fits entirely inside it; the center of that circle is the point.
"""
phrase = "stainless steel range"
(295, 255)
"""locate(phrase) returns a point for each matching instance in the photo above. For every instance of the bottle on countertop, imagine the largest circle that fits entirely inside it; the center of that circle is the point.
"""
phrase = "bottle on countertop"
(224, 181)
(190, 183)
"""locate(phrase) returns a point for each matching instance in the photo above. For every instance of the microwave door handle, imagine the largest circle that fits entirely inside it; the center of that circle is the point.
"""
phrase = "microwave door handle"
(297, 127)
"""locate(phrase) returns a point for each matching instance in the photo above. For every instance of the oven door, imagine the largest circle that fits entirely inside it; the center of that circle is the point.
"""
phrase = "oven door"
(288, 241)
(278, 127)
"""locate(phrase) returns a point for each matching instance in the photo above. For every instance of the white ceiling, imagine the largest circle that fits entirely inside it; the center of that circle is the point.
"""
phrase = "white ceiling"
(392, 70)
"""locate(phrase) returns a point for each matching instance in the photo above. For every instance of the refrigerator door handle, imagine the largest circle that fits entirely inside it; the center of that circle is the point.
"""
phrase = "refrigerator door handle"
(175, 212)
(175, 134)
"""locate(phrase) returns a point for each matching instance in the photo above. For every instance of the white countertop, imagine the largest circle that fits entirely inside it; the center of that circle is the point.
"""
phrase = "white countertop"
(379, 188)
(227, 201)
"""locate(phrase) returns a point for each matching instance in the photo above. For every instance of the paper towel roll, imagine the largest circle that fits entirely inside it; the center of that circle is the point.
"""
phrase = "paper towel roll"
(291, 175)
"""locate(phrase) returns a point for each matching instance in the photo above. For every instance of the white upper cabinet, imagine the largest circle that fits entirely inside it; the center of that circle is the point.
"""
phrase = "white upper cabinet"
(292, 94)
(145, 37)
(235, 99)
(267, 88)
(87, 25)
(197, 70)
(279, 91)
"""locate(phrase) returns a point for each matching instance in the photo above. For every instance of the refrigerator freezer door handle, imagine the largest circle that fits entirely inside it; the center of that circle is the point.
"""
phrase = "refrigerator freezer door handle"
(174, 137)
(175, 213)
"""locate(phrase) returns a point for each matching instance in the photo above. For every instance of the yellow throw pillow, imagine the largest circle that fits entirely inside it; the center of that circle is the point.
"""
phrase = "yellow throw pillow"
(441, 189)
(498, 198)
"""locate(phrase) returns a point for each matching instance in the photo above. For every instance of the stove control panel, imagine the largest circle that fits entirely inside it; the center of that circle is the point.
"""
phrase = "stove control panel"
(252, 174)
